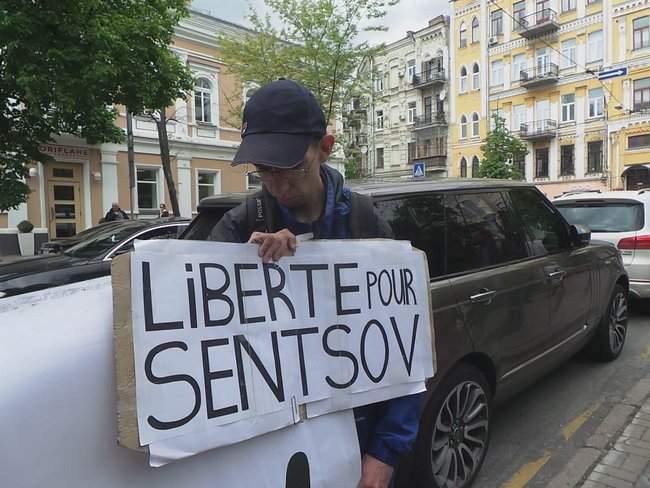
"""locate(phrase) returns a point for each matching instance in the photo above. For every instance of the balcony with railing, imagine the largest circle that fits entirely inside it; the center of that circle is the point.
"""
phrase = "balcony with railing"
(536, 24)
(546, 74)
(428, 77)
(429, 120)
(641, 106)
(539, 130)
(433, 155)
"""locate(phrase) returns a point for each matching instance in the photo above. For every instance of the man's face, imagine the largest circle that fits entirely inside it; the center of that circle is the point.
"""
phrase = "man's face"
(115, 207)
(293, 187)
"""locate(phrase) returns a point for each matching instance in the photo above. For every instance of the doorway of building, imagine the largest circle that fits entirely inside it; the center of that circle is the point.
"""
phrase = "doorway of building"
(64, 199)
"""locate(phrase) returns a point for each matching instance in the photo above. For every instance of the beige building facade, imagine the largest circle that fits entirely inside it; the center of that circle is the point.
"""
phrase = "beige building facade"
(76, 189)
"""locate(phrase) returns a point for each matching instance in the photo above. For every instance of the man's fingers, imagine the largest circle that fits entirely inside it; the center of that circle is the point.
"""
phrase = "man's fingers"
(272, 251)
(256, 238)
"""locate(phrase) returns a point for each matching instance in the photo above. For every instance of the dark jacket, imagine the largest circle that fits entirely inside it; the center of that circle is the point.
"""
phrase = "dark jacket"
(386, 429)
(110, 216)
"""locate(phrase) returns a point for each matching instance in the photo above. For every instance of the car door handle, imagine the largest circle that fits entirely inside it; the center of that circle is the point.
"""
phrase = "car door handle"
(556, 275)
(485, 296)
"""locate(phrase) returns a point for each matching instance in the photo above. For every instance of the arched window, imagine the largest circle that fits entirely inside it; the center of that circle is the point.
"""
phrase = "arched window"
(476, 77)
(475, 125)
(475, 166)
(463, 79)
(475, 32)
(463, 34)
(463, 127)
(463, 168)
(202, 107)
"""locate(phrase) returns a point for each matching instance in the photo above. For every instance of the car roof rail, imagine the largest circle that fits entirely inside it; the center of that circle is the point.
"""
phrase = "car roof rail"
(577, 192)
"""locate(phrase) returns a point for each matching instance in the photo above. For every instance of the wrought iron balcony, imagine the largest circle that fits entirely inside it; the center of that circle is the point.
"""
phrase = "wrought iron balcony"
(428, 77)
(547, 74)
(536, 24)
(538, 130)
(641, 106)
(429, 120)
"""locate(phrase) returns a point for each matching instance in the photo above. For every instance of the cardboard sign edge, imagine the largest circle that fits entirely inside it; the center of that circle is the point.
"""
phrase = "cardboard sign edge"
(127, 417)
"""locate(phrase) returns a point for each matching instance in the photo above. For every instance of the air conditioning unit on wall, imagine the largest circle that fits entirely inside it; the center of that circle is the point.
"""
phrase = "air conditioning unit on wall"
(493, 40)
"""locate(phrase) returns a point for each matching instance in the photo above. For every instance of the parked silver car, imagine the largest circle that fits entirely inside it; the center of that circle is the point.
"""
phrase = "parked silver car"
(619, 217)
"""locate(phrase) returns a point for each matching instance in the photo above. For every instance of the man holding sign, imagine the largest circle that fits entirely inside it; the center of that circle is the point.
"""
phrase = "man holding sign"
(284, 136)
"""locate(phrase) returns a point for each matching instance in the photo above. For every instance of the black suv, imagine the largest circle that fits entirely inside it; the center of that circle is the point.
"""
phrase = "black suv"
(515, 291)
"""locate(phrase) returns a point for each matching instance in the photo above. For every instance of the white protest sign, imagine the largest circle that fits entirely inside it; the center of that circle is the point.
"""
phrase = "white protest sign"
(58, 422)
(226, 347)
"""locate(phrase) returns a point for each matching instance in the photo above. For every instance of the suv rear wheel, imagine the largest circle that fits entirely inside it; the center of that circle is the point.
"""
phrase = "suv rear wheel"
(455, 430)
(611, 332)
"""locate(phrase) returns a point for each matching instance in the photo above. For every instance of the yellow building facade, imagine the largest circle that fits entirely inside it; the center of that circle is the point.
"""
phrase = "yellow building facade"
(537, 63)
(75, 190)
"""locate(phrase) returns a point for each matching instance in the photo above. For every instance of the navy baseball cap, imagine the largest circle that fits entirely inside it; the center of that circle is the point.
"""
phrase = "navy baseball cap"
(279, 123)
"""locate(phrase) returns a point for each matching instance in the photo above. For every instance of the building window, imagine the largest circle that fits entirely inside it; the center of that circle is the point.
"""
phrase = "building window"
(595, 157)
(641, 29)
(410, 70)
(518, 116)
(568, 5)
(476, 77)
(497, 73)
(411, 112)
(475, 125)
(475, 31)
(637, 142)
(496, 22)
(519, 12)
(379, 82)
(207, 182)
(567, 166)
(380, 157)
(463, 35)
(202, 101)
(463, 79)
(595, 46)
(463, 127)
(475, 167)
(147, 185)
(380, 119)
(518, 65)
(568, 107)
(520, 165)
(568, 53)
(411, 151)
(463, 168)
(642, 94)
(541, 163)
(596, 102)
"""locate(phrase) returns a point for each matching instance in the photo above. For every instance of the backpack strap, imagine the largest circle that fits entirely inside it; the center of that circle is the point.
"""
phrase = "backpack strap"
(256, 213)
(363, 220)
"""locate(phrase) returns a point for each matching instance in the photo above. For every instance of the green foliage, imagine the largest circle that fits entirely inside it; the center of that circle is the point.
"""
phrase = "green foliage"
(25, 226)
(64, 64)
(352, 169)
(316, 46)
(501, 148)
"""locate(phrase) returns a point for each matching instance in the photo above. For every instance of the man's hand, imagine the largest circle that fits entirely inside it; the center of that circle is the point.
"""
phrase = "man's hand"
(374, 473)
(274, 246)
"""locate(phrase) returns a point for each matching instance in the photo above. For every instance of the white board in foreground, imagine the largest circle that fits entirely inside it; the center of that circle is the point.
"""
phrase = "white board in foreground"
(58, 422)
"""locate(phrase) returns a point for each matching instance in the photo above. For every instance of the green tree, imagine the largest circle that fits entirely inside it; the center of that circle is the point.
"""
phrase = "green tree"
(501, 148)
(65, 64)
(316, 46)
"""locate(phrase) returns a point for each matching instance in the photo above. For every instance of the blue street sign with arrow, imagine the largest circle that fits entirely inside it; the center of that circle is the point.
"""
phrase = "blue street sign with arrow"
(419, 169)
(612, 73)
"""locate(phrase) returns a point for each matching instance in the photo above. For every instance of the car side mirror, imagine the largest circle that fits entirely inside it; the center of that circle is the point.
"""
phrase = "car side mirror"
(580, 235)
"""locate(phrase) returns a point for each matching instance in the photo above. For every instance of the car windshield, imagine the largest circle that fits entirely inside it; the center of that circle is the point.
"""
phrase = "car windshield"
(101, 242)
(604, 216)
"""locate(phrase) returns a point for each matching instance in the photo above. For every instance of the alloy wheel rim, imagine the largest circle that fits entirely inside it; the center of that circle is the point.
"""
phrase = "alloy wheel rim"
(618, 322)
(460, 435)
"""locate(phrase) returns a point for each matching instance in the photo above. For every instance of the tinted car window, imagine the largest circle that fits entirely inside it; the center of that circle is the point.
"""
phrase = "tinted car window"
(604, 216)
(419, 219)
(99, 243)
(548, 233)
(170, 232)
(481, 232)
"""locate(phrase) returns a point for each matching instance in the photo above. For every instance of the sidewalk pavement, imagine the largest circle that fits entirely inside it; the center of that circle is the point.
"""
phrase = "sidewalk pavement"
(618, 454)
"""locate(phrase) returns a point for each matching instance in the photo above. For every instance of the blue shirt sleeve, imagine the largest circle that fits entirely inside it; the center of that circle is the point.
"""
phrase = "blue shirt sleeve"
(397, 429)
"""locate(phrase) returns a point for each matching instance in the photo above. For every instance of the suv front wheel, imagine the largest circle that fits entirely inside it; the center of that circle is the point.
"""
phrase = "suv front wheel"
(455, 430)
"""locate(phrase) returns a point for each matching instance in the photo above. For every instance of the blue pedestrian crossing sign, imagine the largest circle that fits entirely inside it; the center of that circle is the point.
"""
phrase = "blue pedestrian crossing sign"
(419, 170)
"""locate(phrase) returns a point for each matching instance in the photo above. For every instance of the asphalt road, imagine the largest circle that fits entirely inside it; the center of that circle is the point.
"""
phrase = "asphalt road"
(537, 432)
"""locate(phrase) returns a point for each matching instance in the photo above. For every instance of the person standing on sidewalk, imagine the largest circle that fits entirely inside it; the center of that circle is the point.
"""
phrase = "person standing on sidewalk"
(284, 136)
